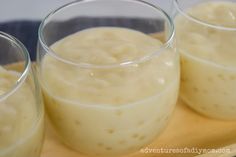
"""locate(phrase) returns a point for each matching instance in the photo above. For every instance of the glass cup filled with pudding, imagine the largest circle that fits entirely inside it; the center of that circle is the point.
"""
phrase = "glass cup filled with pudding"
(21, 109)
(206, 39)
(110, 83)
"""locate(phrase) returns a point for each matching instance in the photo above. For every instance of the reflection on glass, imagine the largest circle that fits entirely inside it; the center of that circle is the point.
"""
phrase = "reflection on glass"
(109, 89)
(21, 111)
(206, 39)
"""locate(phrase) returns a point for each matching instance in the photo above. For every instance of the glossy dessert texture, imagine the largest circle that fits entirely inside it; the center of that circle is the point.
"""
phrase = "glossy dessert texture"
(21, 124)
(103, 106)
(208, 58)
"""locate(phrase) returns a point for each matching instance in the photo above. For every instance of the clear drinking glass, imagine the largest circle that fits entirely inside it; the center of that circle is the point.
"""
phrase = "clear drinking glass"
(100, 103)
(21, 109)
(206, 37)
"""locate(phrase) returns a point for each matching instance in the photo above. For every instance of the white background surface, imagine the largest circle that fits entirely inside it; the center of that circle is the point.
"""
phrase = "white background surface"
(38, 9)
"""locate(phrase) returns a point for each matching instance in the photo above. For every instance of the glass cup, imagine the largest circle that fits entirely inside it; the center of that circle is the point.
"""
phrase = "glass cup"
(109, 87)
(21, 109)
(206, 39)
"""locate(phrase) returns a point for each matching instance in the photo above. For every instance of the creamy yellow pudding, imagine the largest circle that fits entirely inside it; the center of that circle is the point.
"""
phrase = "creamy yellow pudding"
(208, 56)
(21, 129)
(98, 107)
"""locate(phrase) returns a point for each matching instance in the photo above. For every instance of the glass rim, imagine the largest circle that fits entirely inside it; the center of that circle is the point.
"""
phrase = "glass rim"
(144, 58)
(27, 65)
(201, 22)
